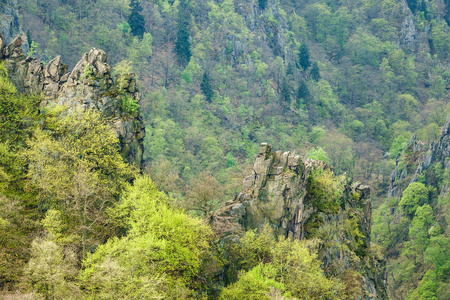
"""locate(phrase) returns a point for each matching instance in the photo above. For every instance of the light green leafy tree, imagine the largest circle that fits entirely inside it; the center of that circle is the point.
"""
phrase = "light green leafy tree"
(289, 269)
(75, 167)
(414, 196)
(51, 268)
(160, 255)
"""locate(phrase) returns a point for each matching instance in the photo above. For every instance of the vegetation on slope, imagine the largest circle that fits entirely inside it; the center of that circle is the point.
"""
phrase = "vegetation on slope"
(347, 81)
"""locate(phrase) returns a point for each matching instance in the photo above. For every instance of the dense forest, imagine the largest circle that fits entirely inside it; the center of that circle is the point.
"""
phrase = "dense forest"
(362, 85)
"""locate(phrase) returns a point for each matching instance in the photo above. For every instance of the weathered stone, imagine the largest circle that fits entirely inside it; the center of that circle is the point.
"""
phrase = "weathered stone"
(9, 19)
(2, 45)
(89, 84)
(14, 49)
(418, 155)
(277, 194)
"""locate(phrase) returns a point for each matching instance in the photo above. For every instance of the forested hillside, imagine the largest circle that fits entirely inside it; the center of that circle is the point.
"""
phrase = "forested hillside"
(347, 82)
(356, 78)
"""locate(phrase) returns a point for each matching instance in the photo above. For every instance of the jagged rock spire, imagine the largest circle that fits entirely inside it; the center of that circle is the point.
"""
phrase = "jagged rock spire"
(89, 84)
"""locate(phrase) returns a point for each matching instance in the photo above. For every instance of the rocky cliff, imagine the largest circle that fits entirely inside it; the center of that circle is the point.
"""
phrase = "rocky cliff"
(303, 199)
(417, 159)
(9, 19)
(89, 84)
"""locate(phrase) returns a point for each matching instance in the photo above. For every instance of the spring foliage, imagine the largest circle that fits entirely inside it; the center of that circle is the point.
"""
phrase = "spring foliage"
(160, 254)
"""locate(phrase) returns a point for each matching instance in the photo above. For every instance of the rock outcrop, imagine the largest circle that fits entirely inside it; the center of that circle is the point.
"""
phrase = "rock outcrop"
(303, 199)
(417, 159)
(89, 84)
(270, 25)
(9, 19)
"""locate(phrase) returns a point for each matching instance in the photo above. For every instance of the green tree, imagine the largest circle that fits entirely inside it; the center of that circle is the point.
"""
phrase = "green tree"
(160, 255)
(75, 167)
(262, 4)
(420, 225)
(182, 44)
(414, 196)
(47, 271)
(18, 112)
(412, 5)
(257, 283)
(285, 92)
(204, 194)
(278, 269)
(51, 268)
(315, 72)
(318, 154)
(302, 94)
(303, 91)
(136, 20)
(364, 48)
(29, 39)
(139, 51)
(303, 57)
(206, 87)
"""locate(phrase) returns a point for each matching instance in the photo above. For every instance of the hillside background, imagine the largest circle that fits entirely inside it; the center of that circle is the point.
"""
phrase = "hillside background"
(348, 82)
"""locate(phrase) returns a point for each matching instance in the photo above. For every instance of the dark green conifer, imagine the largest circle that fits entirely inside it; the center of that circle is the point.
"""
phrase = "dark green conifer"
(285, 91)
(315, 72)
(262, 4)
(182, 44)
(136, 20)
(412, 5)
(303, 91)
(303, 57)
(206, 87)
(29, 40)
(290, 69)
(423, 8)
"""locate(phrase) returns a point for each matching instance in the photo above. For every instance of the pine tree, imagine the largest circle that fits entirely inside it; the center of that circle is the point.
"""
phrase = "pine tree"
(262, 4)
(303, 57)
(182, 44)
(412, 5)
(423, 8)
(315, 72)
(29, 40)
(303, 91)
(206, 87)
(285, 91)
(136, 20)
(290, 69)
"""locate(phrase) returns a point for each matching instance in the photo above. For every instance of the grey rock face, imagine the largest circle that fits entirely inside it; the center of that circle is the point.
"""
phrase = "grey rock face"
(89, 84)
(418, 159)
(9, 19)
(278, 192)
(256, 21)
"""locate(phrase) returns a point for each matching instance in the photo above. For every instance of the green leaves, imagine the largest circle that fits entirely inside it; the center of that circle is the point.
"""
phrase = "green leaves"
(324, 191)
(414, 196)
(163, 246)
(280, 268)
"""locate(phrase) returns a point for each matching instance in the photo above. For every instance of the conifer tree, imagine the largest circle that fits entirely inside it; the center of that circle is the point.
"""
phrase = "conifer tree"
(423, 8)
(412, 5)
(303, 57)
(315, 72)
(206, 87)
(262, 4)
(285, 91)
(29, 40)
(303, 91)
(182, 44)
(290, 69)
(136, 20)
